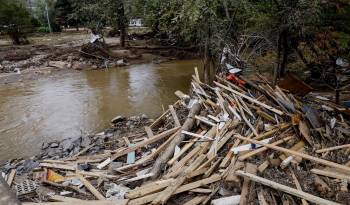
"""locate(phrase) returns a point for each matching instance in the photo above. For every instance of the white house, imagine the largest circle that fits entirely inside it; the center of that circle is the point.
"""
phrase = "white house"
(136, 22)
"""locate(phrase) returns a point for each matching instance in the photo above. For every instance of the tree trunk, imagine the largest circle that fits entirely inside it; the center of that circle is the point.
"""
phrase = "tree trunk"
(285, 54)
(121, 21)
(278, 66)
(206, 61)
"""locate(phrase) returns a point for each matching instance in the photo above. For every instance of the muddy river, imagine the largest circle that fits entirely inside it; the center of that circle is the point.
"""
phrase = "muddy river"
(66, 105)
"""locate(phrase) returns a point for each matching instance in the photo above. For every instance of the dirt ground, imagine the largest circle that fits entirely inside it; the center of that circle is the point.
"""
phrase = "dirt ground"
(49, 53)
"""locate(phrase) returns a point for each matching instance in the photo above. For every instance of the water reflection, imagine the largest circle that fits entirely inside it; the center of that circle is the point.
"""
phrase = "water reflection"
(67, 104)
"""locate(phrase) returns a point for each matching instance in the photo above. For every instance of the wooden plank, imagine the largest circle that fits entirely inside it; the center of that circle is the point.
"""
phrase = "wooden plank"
(331, 174)
(250, 168)
(297, 184)
(58, 166)
(173, 113)
(91, 188)
(197, 74)
(149, 132)
(261, 198)
(148, 188)
(279, 112)
(333, 148)
(289, 190)
(196, 200)
(10, 177)
(149, 198)
(262, 149)
(304, 156)
(90, 202)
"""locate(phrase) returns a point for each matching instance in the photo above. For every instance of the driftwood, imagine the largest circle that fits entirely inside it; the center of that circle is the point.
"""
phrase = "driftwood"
(166, 155)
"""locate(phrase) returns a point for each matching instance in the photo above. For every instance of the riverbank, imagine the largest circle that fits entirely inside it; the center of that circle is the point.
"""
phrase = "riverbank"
(52, 53)
(229, 143)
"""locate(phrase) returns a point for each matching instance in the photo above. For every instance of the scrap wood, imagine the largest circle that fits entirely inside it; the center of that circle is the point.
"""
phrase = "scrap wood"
(331, 174)
(139, 145)
(297, 184)
(289, 190)
(262, 149)
(250, 99)
(305, 156)
(149, 198)
(10, 177)
(196, 200)
(58, 166)
(149, 132)
(91, 188)
(173, 113)
(333, 148)
(64, 199)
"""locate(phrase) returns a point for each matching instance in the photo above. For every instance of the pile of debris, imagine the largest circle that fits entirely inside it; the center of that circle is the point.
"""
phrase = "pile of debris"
(224, 144)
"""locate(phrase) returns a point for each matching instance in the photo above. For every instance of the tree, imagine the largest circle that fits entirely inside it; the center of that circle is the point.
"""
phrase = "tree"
(15, 21)
(45, 13)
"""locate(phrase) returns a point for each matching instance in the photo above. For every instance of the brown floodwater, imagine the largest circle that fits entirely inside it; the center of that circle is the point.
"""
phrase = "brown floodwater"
(66, 105)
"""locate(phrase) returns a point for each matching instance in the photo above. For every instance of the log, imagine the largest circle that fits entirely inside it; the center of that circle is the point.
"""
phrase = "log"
(169, 152)
(291, 152)
(286, 189)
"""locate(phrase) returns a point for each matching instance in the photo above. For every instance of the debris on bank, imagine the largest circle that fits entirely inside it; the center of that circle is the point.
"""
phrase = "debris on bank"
(232, 142)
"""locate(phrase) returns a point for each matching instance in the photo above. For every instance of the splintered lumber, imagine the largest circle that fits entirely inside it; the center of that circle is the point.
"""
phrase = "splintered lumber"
(302, 155)
(182, 151)
(173, 113)
(91, 188)
(166, 194)
(148, 189)
(289, 190)
(297, 184)
(250, 168)
(169, 151)
(10, 177)
(333, 148)
(262, 149)
(90, 202)
(58, 166)
(279, 112)
(196, 200)
(187, 187)
(141, 144)
(331, 174)
(261, 198)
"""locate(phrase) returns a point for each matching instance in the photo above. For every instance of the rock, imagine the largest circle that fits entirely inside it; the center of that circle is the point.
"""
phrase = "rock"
(84, 167)
(44, 145)
(122, 62)
(86, 141)
(144, 116)
(117, 119)
(54, 145)
(58, 64)
(94, 67)
(115, 191)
